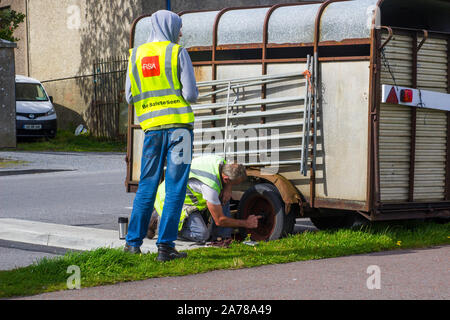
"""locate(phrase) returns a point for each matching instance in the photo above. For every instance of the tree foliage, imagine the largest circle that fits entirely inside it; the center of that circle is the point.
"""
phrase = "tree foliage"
(9, 21)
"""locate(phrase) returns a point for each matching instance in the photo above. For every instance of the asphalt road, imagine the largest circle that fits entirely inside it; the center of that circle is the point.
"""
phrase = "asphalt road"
(78, 189)
(89, 192)
(93, 199)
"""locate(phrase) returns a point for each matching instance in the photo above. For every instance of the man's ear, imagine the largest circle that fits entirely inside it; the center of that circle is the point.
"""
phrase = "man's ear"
(225, 179)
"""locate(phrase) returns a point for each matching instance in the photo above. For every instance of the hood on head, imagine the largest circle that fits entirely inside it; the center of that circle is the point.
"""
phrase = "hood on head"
(166, 26)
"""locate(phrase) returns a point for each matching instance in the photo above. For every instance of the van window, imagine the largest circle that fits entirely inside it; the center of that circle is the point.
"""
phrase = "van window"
(30, 92)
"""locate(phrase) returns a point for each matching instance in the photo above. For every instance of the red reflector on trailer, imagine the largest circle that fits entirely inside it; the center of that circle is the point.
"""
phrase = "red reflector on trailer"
(392, 98)
(406, 95)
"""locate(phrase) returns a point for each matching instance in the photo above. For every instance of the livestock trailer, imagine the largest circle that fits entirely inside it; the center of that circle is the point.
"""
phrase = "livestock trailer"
(338, 109)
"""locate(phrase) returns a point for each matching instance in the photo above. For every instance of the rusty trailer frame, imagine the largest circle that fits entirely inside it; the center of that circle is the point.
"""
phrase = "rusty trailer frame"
(374, 208)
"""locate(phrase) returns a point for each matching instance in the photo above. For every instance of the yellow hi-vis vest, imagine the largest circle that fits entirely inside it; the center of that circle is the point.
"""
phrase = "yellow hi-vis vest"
(207, 170)
(155, 88)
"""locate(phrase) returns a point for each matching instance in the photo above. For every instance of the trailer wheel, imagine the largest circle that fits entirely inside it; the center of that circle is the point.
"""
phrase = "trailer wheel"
(264, 200)
(441, 220)
(289, 221)
(346, 220)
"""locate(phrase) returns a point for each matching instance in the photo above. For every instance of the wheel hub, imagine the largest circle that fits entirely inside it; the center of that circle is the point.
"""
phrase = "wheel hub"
(259, 206)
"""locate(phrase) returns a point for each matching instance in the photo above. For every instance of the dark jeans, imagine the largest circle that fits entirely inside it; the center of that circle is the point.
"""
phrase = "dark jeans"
(175, 146)
(195, 229)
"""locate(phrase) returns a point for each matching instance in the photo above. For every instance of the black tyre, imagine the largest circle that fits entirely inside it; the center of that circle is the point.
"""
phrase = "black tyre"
(264, 200)
(441, 220)
(290, 220)
(346, 220)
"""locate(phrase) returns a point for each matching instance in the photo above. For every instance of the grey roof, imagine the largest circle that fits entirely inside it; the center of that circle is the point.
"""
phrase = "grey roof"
(296, 23)
(291, 24)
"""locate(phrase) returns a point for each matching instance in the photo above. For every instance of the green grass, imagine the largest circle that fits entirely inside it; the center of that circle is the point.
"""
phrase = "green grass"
(66, 141)
(109, 266)
(7, 163)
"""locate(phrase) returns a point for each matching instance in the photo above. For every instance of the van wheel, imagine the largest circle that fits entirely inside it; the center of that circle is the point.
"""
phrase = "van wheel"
(343, 221)
(264, 200)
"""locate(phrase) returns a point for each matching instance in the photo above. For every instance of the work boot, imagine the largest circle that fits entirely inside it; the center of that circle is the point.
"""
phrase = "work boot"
(153, 226)
(167, 253)
(132, 250)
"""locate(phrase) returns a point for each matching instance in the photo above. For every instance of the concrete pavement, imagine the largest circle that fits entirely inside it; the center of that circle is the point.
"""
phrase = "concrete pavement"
(70, 237)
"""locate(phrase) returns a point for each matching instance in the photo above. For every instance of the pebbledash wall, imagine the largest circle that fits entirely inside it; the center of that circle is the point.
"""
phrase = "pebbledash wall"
(61, 39)
(7, 95)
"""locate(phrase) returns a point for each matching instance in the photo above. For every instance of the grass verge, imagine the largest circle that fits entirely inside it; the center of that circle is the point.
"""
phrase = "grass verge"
(109, 266)
(66, 141)
(7, 163)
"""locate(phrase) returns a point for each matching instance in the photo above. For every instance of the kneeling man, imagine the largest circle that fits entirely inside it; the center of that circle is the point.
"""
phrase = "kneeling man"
(208, 195)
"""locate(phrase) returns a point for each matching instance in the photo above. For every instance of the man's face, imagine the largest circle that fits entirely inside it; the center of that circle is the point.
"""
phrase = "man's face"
(226, 194)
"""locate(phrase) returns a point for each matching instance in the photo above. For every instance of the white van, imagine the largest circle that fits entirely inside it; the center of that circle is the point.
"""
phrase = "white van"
(35, 113)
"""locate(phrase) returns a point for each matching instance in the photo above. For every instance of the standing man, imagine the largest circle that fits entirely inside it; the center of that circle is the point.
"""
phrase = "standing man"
(160, 84)
(208, 195)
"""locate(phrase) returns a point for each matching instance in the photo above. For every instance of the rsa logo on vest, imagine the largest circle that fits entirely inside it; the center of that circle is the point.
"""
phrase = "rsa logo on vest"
(150, 67)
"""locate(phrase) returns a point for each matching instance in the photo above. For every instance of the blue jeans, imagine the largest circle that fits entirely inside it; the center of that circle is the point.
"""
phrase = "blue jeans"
(175, 146)
(195, 228)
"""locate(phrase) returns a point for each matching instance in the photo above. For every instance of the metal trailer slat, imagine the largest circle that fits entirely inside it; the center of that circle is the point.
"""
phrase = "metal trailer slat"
(399, 61)
(242, 123)
(250, 114)
(251, 126)
(246, 139)
(432, 86)
(431, 152)
(255, 102)
(430, 166)
(440, 79)
(431, 67)
(395, 122)
(399, 56)
(435, 53)
(256, 153)
(429, 46)
(431, 59)
(394, 51)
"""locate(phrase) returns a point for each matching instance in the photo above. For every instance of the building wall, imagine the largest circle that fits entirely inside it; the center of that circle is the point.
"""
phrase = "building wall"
(75, 34)
(20, 32)
(54, 50)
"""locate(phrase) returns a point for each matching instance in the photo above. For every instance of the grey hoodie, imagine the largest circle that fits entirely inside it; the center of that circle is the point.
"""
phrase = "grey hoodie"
(166, 27)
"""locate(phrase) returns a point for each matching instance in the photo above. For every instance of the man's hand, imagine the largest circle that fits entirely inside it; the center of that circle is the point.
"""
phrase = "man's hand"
(252, 222)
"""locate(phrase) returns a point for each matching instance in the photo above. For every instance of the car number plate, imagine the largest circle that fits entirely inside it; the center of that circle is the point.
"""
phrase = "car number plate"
(32, 127)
